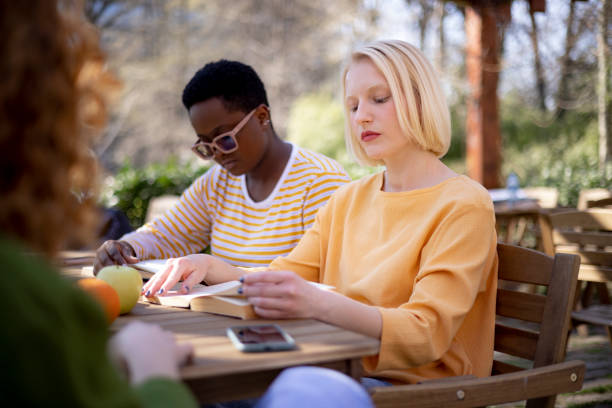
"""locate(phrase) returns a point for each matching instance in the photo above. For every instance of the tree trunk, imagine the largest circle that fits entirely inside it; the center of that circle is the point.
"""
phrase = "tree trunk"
(484, 32)
(183, 38)
(563, 97)
(604, 99)
(441, 57)
(540, 84)
(426, 12)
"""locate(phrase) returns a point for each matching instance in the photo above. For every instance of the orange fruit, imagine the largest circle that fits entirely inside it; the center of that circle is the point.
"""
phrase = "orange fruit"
(104, 294)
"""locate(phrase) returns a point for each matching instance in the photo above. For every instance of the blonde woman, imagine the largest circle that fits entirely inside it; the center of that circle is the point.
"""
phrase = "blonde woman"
(411, 251)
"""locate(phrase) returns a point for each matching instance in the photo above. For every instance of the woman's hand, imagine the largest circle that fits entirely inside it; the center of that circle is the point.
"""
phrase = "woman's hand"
(281, 295)
(114, 253)
(146, 351)
(191, 269)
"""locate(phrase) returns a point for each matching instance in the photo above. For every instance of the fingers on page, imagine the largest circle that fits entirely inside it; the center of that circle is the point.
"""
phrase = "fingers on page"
(190, 281)
(175, 271)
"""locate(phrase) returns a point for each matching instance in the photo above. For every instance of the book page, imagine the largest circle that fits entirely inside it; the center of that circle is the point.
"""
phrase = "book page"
(158, 265)
(226, 288)
(174, 298)
(151, 265)
(222, 298)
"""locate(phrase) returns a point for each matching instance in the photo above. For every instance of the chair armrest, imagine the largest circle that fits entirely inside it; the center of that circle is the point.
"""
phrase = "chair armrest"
(448, 379)
(522, 385)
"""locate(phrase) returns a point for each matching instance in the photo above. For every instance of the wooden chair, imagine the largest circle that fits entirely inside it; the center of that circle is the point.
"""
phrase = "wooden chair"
(532, 327)
(588, 234)
(513, 224)
(601, 203)
(547, 197)
(159, 205)
(520, 226)
(592, 194)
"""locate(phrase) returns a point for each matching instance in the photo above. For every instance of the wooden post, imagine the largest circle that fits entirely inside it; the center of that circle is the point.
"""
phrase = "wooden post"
(483, 26)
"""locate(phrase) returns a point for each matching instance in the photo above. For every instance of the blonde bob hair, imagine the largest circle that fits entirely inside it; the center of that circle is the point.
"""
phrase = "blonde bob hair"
(420, 105)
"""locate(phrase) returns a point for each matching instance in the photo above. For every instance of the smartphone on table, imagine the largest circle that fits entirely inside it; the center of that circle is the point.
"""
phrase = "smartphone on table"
(267, 337)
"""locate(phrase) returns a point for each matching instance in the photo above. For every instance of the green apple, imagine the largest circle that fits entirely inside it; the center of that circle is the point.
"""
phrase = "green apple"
(126, 281)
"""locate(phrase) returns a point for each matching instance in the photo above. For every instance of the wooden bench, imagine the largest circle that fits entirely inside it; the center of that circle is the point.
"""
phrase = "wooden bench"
(529, 326)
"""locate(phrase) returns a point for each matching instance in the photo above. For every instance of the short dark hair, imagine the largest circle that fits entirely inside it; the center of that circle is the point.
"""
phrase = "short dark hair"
(235, 83)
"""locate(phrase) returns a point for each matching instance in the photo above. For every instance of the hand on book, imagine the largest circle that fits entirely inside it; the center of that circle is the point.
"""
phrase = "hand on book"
(190, 269)
(281, 295)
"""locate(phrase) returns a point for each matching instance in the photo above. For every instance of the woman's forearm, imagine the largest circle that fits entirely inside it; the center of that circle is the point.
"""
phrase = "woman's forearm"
(219, 271)
(342, 311)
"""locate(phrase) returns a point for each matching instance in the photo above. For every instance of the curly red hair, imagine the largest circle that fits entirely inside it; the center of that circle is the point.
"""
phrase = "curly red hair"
(52, 99)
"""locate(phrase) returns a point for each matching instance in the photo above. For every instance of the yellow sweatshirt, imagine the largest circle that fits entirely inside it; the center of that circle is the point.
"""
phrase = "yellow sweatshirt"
(426, 258)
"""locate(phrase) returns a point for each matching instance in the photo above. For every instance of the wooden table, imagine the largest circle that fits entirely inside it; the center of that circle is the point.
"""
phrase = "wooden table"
(513, 219)
(71, 263)
(220, 372)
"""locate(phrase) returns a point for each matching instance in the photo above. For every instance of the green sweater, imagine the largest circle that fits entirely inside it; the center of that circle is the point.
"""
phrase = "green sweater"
(53, 345)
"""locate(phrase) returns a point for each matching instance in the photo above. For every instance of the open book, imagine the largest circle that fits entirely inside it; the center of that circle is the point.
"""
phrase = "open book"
(222, 298)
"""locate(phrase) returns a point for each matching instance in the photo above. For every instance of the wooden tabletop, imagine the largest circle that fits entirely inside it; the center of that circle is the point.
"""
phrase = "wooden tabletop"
(517, 209)
(220, 372)
(71, 263)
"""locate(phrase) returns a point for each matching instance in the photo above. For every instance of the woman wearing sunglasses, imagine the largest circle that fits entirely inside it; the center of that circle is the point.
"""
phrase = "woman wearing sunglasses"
(259, 199)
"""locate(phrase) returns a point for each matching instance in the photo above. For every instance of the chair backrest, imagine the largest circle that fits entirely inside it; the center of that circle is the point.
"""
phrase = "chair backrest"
(547, 197)
(530, 335)
(159, 205)
(587, 234)
(591, 194)
(601, 203)
(533, 326)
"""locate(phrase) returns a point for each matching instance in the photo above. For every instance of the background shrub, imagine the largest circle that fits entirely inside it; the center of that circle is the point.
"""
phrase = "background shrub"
(541, 150)
(553, 152)
(131, 188)
(316, 122)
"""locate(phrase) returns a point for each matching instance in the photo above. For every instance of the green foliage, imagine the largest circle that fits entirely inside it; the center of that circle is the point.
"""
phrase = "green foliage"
(592, 404)
(457, 146)
(131, 189)
(316, 122)
(560, 153)
(455, 157)
(600, 389)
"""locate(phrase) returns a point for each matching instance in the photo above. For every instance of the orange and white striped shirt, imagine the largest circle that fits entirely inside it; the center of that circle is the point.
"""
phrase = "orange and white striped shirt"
(217, 210)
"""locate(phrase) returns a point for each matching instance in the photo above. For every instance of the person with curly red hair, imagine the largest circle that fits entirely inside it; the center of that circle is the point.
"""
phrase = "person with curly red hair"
(54, 347)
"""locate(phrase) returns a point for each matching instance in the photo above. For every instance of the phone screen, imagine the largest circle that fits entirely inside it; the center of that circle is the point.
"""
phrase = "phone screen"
(259, 334)
(261, 338)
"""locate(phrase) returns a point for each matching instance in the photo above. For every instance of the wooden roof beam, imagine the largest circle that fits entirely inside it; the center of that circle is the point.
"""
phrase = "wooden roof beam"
(537, 6)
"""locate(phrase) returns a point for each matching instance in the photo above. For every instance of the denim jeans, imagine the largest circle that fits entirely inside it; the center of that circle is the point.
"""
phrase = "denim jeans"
(307, 387)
